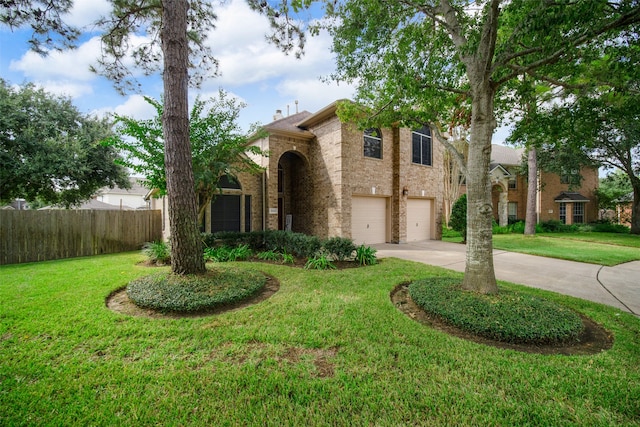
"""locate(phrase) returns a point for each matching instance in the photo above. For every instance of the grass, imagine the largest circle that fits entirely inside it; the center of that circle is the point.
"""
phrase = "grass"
(328, 349)
(601, 248)
(590, 247)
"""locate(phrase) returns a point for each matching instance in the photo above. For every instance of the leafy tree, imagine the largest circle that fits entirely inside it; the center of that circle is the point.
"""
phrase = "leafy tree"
(176, 30)
(218, 146)
(596, 118)
(458, 220)
(417, 62)
(614, 188)
(51, 153)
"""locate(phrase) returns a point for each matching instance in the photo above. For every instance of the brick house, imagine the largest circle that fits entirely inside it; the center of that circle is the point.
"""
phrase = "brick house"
(327, 178)
(557, 198)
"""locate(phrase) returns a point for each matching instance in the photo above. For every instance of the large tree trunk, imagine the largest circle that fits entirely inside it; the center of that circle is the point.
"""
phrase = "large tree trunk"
(635, 207)
(479, 273)
(532, 193)
(186, 245)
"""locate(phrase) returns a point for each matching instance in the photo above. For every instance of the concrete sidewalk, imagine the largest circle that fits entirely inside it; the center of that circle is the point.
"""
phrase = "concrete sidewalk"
(617, 286)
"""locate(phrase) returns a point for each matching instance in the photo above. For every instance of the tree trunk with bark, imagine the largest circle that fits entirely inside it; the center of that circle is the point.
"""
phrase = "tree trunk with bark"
(479, 273)
(186, 245)
(532, 193)
(635, 207)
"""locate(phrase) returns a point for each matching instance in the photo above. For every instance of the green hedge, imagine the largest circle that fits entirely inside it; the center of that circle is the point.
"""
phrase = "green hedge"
(509, 316)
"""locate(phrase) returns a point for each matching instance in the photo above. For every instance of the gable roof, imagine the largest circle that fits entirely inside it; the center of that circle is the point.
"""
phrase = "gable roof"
(289, 126)
(505, 156)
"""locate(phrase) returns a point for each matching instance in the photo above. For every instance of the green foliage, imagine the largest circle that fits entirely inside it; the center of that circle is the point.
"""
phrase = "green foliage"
(366, 255)
(555, 226)
(227, 253)
(157, 252)
(609, 227)
(510, 316)
(49, 152)
(340, 248)
(218, 145)
(323, 342)
(458, 220)
(613, 189)
(269, 256)
(287, 258)
(194, 293)
(319, 262)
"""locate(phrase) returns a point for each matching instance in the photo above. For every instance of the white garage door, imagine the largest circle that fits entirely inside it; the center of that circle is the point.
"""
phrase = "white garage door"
(368, 220)
(418, 220)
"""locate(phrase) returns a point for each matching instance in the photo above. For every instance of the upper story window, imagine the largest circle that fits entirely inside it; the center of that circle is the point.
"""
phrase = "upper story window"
(570, 176)
(421, 146)
(513, 183)
(373, 143)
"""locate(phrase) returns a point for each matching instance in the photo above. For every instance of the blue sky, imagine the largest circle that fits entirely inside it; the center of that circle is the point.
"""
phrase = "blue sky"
(251, 69)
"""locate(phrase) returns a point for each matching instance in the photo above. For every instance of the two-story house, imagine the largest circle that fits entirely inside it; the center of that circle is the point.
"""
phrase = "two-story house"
(567, 197)
(327, 178)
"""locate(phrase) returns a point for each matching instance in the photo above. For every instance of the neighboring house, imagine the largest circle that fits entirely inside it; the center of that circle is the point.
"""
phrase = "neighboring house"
(557, 198)
(92, 204)
(327, 178)
(133, 198)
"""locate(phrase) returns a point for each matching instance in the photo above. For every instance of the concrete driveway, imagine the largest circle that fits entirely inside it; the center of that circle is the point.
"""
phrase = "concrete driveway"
(617, 286)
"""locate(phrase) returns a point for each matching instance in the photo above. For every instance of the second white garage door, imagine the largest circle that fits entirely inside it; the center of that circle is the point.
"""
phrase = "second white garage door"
(368, 220)
(418, 220)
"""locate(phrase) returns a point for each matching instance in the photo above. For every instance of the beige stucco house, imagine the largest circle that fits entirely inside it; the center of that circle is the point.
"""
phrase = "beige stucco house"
(328, 178)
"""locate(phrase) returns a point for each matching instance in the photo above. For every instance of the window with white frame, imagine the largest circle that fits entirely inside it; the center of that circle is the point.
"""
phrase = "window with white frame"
(373, 143)
(421, 146)
(578, 213)
(562, 209)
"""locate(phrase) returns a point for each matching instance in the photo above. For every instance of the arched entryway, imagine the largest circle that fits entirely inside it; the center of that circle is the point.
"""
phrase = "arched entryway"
(295, 191)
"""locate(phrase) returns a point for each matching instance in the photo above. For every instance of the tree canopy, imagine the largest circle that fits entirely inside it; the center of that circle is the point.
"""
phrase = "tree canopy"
(218, 146)
(50, 152)
(420, 62)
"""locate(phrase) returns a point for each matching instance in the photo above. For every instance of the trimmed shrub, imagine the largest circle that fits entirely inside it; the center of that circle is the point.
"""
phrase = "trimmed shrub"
(508, 316)
(517, 227)
(458, 219)
(340, 248)
(609, 227)
(195, 293)
(555, 226)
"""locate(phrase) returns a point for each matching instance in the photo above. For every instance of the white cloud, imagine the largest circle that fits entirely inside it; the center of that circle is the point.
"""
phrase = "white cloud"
(67, 88)
(67, 65)
(246, 57)
(86, 12)
(134, 106)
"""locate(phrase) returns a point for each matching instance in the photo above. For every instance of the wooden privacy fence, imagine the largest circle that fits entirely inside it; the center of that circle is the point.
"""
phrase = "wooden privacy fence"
(27, 236)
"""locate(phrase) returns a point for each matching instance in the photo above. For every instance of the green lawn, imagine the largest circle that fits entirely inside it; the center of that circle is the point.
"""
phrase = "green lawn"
(594, 248)
(590, 247)
(328, 349)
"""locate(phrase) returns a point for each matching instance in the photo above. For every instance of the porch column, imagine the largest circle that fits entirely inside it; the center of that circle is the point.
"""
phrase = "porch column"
(503, 209)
